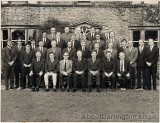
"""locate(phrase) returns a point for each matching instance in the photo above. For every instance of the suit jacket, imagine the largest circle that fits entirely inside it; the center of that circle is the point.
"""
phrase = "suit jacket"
(78, 37)
(113, 53)
(58, 53)
(26, 58)
(61, 44)
(66, 37)
(108, 66)
(100, 54)
(80, 65)
(116, 44)
(91, 38)
(72, 53)
(101, 44)
(88, 45)
(76, 45)
(96, 66)
(52, 67)
(8, 56)
(49, 36)
(43, 54)
(103, 37)
(68, 66)
(86, 53)
(37, 67)
(47, 44)
(141, 58)
(127, 68)
(19, 52)
(132, 56)
(152, 56)
(121, 50)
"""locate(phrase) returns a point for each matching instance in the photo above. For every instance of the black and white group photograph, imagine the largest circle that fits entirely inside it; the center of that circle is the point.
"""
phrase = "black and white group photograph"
(80, 61)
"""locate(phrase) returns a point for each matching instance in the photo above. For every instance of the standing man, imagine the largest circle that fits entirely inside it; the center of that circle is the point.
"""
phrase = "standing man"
(52, 35)
(65, 70)
(56, 50)
(92, 35)
(9, 56)
(51, 69)
(46, 41)
(123, 71)
(123, 46)
(108, 68)
(99, 51)
(141, 65)
(115, 42)
(41, 49)
(36, 71)
(26, 59)
(75, 43)
(71, 51)
(85, 51)
(94, 67)
(110, 49)
(101, 43)
(18, 66)
(151, 58)
(79, 68)
(33, 46)
(131, 54)
(78, 34)
(60, 43)
(87, 42)
(105, 34)
(66, 36)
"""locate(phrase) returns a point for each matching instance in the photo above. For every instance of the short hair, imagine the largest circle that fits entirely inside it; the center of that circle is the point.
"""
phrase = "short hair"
(44, 32)
(93, 51)
(141, 40)
(53, 41)
(58, 32)
(96, 43)
(52, 53)
(28, 43)
(123, 40)
(33, 40)
(40, 41)
(79, 50)
(65, 53)
(92, 27)
(38, 52)
(121, 53)
(108, 52)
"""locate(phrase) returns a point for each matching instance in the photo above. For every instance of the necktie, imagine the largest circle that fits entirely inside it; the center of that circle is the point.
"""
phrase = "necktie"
(79, 59)
(83, 49)
(38, 60)
(69, 49)
(151, 49)
(52, 36)
(19, 48)
(121, 65)
(65, 69)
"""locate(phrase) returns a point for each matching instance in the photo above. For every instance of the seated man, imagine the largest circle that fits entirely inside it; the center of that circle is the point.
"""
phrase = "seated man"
(65, 70)
(108, 68)
(123, 71)
(94, 66)
(79, 67)
(51, 69)
(36, 70)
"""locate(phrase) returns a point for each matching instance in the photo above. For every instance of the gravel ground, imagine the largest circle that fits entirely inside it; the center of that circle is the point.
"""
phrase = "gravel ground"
(131, 105)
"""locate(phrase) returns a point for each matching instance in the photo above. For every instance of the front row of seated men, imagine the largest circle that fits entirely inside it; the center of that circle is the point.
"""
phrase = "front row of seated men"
(80, 66)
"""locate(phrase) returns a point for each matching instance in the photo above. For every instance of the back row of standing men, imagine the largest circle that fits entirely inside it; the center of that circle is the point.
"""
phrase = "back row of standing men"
(142, 58)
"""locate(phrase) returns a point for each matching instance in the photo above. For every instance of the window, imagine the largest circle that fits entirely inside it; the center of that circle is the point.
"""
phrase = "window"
(18, 33)
(136, 35)
(5, 34)
(151, 34)
(32, 34)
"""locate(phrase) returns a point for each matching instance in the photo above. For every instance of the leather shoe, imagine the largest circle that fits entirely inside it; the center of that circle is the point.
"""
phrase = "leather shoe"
(33, 89)
(84, 90)
(46, 90)
(98, 90)
(74, 90)
(54, 90)
(37, 89)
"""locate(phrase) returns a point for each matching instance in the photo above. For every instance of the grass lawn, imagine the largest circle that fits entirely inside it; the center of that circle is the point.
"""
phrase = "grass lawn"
(131, 105)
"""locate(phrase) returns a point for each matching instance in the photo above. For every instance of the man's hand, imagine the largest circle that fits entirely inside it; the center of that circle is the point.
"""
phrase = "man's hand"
(106, 74)
(92, 72)
(29, 65)
(31, 73)
(25, 65)
(110, 74)
(128, 75)
(65, 73)
(81, 72)
(131, 63)
(148, 63)
(78, 72)
(118, 74)
(40, 73)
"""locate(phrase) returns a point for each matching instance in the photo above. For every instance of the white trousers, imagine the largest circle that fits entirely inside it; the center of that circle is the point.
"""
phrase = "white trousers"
(54, 79)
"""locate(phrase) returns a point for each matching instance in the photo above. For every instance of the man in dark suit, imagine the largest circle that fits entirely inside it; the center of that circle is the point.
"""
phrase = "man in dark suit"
(116, 43)
(113, 51)
(108, 68)
(131, 54)
(88, 43)
(33, 47)
(105, 34)
(85, 51)
(71, 51)
(60, 43)
(122, 47)
(46, 41)
(56, 50)
(92, 35)
(151, 58)
(41, 49)
(65, 70)
(18, 67)
(66, 36)
(99, 51)
(123, 71)
(52, 34)
(75, 43)
(36, 71)
(26, 59)
(9, 56)
(79, 68)
(94, 67)
(101, 42)
(141, 65)
(51, 69)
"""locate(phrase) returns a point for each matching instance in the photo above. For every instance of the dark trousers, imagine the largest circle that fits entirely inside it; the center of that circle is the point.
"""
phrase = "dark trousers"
(9, 74)
(25, 73)
(113, 80)
(18, 75)
(151, 71)
(141, 71)
(75, 80)
(61, 77)
(133, 77)
(35, 83)
(124, 80)
(90, 76)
